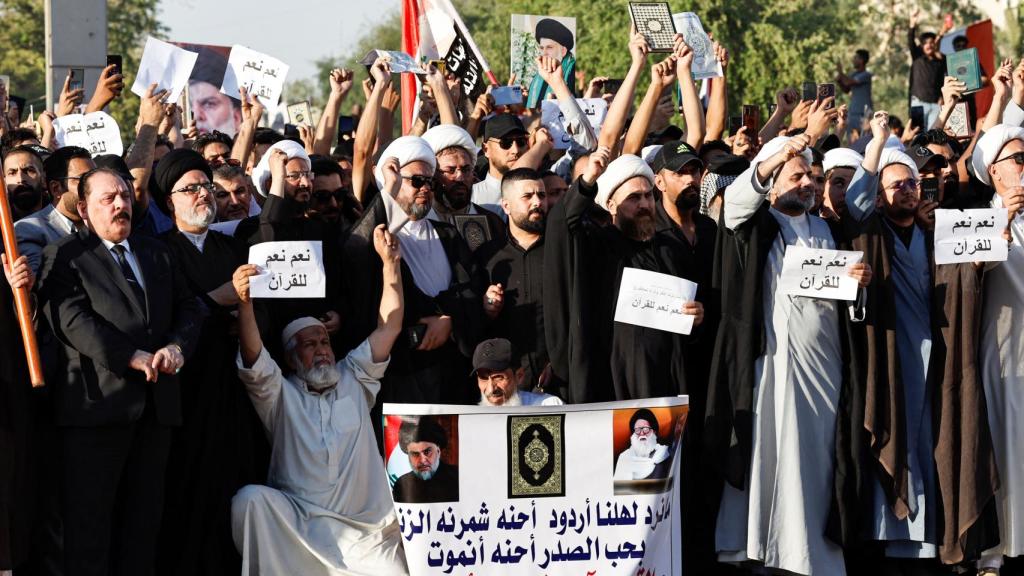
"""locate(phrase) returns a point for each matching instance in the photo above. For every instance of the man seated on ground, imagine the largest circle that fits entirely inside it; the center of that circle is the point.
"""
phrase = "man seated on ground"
(326, 510)
(499, 381)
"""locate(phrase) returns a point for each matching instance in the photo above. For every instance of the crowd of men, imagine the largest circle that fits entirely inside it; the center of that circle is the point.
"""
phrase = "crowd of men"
(187, 428)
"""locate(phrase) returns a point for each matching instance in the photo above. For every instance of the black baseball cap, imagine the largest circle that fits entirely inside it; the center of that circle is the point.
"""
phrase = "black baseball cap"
(501, 125)
(494, 354)
(674, 155)
(923, 157)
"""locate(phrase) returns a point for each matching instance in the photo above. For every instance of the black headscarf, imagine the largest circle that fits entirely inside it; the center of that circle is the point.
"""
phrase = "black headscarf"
(173, 166)
(554, 30)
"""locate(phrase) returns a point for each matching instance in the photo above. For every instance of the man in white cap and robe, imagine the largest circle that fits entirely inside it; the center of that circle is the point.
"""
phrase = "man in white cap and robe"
(840, 165)
(326, 509)
(443, 317)
(998, 161)
(598, 358)
(777, 372)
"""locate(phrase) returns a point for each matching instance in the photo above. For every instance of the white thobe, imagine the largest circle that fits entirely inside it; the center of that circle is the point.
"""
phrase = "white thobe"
(487, 193)
(327, 509)
(1002, 374)
(780, 519)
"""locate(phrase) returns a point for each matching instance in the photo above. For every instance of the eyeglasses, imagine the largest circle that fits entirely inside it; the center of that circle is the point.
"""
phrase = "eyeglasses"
(642, 430)
(294, 177)
(324, 196)
(507, 143)
(217, 162)
(418, 181)
(1017, 158)
(457, 170)
(908, 184)
(195, 189)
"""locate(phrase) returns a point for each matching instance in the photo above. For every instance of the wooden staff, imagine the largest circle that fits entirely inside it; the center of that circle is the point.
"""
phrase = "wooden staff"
(21, 297)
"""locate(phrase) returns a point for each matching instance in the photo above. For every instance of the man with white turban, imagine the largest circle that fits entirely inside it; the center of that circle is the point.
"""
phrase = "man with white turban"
(840, 165)
(443, 316)
(326, 510)
(598, 358)
(998, 160)
(777, 371)
(453, 180)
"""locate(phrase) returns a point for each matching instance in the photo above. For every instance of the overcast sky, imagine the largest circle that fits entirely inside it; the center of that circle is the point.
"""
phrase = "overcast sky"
(297, 32)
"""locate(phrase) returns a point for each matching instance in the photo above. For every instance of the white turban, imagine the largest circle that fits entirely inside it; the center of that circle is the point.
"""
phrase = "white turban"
(297, 325)
(447, 135)
(774, 146)
(621, 169)
(261, 172)
(988, 147)
(406, 149)
(841, 158)
(894, 156)
(649, 153)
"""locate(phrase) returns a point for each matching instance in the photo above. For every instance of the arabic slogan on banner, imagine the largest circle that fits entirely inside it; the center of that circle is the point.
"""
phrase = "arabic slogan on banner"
(539, 490)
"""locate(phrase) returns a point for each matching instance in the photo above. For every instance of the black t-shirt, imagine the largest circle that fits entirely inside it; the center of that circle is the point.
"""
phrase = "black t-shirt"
(926, 76)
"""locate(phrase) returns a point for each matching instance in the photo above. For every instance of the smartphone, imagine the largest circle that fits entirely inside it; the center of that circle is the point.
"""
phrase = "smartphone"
(752, 119)
(917, 116)
(346, 126)
(827, 91)
(809, 91)
(611, 86)
(929, 189)
(507, 95)
(415, 335)
(735, 123)
(115, 61)
(440, 65)
(77, 79)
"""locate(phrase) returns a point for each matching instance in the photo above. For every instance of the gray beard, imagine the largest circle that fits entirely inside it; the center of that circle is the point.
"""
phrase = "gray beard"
(793, 203)
(428, 474)
(320, 378)
(193, 218)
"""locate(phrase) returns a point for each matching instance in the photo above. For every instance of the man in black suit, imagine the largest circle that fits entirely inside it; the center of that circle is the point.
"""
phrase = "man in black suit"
(127, 320)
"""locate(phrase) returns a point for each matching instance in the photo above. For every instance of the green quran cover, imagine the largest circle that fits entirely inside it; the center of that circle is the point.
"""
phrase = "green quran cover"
(963, 65)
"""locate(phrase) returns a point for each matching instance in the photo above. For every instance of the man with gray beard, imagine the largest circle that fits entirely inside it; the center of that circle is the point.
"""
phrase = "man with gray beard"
(431, 479)
(219, 447)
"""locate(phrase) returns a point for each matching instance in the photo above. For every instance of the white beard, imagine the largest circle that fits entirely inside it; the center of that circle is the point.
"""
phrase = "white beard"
(194, 218)
(640, 460)
(320, 378)
(515, 400)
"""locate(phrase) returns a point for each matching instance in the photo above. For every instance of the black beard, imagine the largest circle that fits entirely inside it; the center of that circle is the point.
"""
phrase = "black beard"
(456, 203)
(686, 202)
(640, 227)
(25, 198)
(532, 226)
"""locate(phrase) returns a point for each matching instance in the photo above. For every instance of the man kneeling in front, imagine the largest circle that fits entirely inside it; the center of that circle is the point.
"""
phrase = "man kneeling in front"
(327, 509)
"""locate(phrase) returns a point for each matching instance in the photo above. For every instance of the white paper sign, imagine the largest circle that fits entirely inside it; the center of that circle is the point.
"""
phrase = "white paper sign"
(165, 65)
(288, 270)
(552, 118)
(819, 273)
(654, 300)
(261, 75)
(399, 61)
(97, 132)
(970, 235)
(705, 64)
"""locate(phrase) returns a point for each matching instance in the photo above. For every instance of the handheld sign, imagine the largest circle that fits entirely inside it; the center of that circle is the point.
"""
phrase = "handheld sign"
(819, 273)
(261, 75)
(165, 65)
(288, 270)
(654, 21)
(654, 300)
(97, 132)
(964, 66)
(399, 61)
(970, 236)
(552, 118)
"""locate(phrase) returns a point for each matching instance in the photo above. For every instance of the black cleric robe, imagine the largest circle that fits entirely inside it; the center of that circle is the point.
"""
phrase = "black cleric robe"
(220, 446)
(600, 359)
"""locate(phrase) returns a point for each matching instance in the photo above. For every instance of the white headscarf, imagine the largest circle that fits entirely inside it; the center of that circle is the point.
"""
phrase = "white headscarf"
(841, 158)
(296, 326)
(447, 135)
(261, 172)
(774, 146)
(621, 169)
(988, 147)
(894, 156)
(406, 149)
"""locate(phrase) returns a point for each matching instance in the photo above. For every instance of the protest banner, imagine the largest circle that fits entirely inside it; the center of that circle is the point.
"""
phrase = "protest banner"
(97, 132)
(533, 36)
(552, 118)
(165, 65)
(541, 490)
(819, 273)
(705, 64)
(288, 270)
(655, 300)
(970, 236)
(261, 75)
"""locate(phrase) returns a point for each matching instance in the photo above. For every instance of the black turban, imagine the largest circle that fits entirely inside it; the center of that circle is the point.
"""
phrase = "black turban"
(427, 430)
(554, 30)
(210, 64)
(644, 414)
(173, 166)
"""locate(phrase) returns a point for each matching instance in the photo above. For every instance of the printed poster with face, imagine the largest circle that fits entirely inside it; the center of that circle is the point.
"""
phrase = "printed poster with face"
(210, 109)
(532, 36)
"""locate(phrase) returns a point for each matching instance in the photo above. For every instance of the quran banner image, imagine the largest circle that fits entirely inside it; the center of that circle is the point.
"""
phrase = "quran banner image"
(541, 490)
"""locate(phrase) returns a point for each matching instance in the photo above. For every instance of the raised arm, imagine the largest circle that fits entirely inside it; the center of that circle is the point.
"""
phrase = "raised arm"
(861, 194)
(108, 87)
(663, 75)
(718, 98)
(252, 112)
(442, 96)
(575, 120)
(786, 101)
(693, 111)
(389, 320)
(952, 90)
(615, 121)
(327, 128)
(140, 155)
(1001, 86)
(366, 133)
(250, 344)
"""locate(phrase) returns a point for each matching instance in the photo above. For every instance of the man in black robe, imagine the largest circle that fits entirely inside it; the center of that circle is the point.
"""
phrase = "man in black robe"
(443, 317)
(431, 479)
(598, 358)
(220, 446)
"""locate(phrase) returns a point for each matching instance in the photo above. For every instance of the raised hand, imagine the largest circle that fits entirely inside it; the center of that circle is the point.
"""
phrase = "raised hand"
(240, 280)
(386, 245)
(341, 81)
(596, 164)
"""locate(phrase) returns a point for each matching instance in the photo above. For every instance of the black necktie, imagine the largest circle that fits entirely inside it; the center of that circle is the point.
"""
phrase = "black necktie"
(126, 269)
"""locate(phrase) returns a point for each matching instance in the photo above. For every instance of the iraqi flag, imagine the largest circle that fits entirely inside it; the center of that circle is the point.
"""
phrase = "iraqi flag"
(432, 29)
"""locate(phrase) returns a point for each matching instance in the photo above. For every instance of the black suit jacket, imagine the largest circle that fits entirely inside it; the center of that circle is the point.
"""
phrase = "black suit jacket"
(96, 316)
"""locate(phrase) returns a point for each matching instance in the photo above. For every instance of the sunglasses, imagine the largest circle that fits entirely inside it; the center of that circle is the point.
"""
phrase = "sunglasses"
(418, 181)
(507, 143)
(1017, 158)
(217, 162)
(324, 196)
